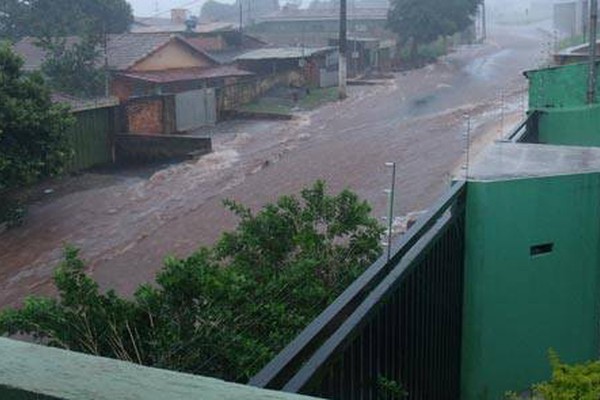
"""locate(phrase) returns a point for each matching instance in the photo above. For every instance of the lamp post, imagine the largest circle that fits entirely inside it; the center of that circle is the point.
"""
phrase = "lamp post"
(391, 191)
(343, 49)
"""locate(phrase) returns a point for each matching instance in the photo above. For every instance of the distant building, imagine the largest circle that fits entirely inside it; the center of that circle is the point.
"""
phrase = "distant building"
(178, 23)
(570, 17)
(368, 54)
(316, 26)
(316, 66)
(249, 11)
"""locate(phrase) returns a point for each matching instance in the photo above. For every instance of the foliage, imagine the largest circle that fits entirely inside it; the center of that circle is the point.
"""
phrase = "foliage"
(389, 388)
(227, 310)
(424, 21)
(58, 18)
(32, 140)
(73, 69)
(12, 212)
(426, 53)
(569, 382)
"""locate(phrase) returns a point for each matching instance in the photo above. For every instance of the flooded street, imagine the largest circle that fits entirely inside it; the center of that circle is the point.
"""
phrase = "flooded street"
(127, 225)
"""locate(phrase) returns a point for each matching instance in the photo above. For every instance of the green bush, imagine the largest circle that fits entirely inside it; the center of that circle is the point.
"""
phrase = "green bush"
(225, 311)
(569, 382)
(33, 143)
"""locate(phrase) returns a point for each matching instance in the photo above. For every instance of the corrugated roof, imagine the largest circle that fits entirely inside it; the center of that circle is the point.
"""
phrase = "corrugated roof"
(186, 74)
(79, 104)
(228, 56)
(212, 43)
(125, 50)
(325, 14)
(283, 53)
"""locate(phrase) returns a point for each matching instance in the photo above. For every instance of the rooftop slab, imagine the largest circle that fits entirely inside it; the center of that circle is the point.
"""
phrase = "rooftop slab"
(33, 371)
(506, 161)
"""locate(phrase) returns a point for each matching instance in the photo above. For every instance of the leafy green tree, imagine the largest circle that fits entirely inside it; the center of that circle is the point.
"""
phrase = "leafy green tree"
(33, 144)
(227, 310)
(423, 21)
(74, 69)
(51, 18)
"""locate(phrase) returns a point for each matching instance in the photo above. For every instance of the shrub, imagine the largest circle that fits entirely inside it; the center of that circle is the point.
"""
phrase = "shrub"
(224, 311)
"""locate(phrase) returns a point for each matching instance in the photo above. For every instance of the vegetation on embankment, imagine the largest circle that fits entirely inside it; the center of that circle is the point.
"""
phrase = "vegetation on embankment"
(33, 142)
(226, 310)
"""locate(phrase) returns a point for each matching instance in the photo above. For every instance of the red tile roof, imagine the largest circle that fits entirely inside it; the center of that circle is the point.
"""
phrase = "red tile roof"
(207, 43)
(187, 74)
(123, 50)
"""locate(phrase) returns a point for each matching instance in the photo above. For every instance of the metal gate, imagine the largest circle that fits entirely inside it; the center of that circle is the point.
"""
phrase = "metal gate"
(195, 109)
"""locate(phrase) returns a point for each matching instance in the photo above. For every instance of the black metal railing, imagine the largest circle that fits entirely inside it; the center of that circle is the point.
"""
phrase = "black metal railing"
(526, 131)
(397, 326)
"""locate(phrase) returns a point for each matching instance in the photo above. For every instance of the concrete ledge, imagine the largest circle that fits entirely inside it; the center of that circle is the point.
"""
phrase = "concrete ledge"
(135, 148)
(261, 115)
(29, 371)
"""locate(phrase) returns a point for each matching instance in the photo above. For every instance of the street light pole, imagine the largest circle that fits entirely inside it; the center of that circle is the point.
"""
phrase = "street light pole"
(391, 208)
(483, 22)
(343, 49)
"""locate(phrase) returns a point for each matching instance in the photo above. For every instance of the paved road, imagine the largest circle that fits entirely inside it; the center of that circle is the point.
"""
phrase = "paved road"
(128, 224)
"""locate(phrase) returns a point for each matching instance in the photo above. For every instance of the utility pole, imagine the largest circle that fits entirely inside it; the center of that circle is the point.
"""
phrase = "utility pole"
(241, 23)
(483, 22)
(591, 92)
(106, 66)
(343, 49)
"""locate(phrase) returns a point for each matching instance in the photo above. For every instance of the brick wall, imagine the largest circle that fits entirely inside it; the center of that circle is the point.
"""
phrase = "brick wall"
(145, 116)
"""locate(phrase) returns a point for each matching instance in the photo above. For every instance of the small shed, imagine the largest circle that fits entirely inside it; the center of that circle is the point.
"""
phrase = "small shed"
(318, 66)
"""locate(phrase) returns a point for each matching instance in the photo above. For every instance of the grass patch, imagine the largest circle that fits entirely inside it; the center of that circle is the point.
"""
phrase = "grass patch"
(285, 105)
(571, 41)
(266, 107)
(318, 97)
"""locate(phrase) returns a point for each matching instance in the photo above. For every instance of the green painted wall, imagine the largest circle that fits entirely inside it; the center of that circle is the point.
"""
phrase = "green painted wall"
(559, 93)
(518, 306)
(557, 87)
(575, 126)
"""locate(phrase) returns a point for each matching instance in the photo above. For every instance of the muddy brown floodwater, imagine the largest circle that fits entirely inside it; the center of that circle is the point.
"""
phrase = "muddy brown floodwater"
(129, 222)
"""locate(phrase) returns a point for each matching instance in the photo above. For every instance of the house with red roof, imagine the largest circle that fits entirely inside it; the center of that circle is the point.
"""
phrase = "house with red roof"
(165, 83)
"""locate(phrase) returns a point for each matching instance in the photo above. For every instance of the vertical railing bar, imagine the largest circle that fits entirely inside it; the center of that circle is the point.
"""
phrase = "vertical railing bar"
(310, 338)
(414, 271)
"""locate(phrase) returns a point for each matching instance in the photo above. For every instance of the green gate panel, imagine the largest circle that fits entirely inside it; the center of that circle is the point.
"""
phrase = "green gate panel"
(91, 138)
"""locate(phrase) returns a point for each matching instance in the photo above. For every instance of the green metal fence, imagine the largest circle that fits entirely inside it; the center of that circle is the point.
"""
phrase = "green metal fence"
(92, 138)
